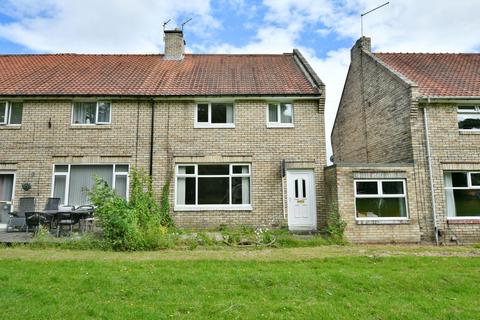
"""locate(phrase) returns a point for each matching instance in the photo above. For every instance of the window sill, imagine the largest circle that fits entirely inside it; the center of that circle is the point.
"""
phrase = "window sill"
(280, 126)
(213, 208)
(91, 126)
(10, 127)
(383, 221)
(467, 132)
(218, 126)
(463, 220)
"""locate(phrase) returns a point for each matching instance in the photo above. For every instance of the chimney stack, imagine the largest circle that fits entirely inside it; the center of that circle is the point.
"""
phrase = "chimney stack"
(174, 44)
(364, 43)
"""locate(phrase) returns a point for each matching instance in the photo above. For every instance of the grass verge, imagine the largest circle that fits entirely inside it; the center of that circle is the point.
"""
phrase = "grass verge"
(331, 282)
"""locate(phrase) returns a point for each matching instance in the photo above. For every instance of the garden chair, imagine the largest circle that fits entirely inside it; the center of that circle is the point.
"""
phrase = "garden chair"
(86, 217)
(66, 216)
(17, 218)
(50, 211)
(34, 220)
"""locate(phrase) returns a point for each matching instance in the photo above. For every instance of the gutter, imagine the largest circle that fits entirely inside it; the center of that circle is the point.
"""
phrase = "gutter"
(455, 99)
(296, 96)
(430, 174)
(152, 128)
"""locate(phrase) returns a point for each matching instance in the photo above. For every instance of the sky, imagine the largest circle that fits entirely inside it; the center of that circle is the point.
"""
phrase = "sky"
(323, 30)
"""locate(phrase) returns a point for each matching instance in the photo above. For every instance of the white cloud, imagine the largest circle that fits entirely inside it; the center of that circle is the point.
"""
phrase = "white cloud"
(108, 26)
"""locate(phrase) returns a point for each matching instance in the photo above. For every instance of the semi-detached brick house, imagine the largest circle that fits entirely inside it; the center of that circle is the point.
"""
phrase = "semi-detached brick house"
(220, 126)
(406, 147)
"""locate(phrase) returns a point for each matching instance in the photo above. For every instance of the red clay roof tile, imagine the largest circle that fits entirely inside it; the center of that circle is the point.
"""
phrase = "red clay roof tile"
(151, 75)
(438, 74)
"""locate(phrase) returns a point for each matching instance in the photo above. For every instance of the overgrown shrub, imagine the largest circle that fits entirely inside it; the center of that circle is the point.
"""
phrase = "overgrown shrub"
(137, 224)
(335, 225)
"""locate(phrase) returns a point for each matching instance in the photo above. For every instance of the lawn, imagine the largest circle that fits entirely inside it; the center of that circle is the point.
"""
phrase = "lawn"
(330, 282)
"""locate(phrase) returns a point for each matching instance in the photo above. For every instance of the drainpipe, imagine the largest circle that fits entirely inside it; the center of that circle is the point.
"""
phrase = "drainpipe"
(150, 171)
(430, 174)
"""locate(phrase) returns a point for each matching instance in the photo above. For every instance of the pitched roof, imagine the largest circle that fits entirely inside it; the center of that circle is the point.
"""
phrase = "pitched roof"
(438, 74)
(151, 75)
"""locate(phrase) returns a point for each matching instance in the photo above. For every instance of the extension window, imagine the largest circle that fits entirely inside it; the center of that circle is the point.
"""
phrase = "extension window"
(380, 199)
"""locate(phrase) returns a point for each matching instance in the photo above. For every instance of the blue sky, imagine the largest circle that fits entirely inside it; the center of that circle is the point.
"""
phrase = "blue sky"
(323, 30)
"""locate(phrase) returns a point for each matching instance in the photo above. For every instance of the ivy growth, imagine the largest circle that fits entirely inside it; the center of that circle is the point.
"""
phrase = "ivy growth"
(335, 225)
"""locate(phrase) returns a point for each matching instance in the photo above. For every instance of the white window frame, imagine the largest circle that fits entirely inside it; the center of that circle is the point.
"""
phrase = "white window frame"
(67, 174)
(468, 187)
(213, 207)
(5, 116)
(8, 114)
(380, 194)
(209, 124)
(476, 111)
(279, 123)
(12, 200)
(96, 113)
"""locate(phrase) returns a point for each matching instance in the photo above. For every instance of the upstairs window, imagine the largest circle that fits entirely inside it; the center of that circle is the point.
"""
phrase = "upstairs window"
(280, 115)
(468, 117)
(462, 192)
(11, 113)
(214, 115)
(379, 199)
(91, 113)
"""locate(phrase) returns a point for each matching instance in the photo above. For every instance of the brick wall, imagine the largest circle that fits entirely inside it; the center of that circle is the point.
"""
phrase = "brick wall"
(373, 119)
(250, 142)
(451, 150)
(389, 127)
(32, 149)
(372, 231)
(46, 137)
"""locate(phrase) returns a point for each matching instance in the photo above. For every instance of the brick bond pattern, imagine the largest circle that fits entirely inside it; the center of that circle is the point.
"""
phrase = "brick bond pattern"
(340, 191)
(32, 149)
(390, 129)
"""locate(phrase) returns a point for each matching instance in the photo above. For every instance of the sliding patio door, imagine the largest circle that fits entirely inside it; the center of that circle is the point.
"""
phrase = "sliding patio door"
(82, 180)
(6, 195)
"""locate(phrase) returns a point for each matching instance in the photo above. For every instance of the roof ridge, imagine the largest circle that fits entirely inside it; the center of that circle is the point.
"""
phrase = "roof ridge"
(141, 54)
(429, 53)
(78, 54)
(240, 54)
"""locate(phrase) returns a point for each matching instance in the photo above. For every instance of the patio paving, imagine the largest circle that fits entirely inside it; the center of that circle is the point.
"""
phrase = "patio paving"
(15, 237)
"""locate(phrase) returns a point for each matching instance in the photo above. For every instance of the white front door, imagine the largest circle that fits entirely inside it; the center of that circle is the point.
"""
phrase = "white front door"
(302, 212)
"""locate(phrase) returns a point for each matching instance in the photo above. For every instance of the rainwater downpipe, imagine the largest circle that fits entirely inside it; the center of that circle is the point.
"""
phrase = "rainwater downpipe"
(430, 174)
(150, 169)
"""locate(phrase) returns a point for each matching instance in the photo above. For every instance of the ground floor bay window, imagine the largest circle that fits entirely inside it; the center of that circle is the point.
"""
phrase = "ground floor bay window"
(380, 199)
(213, 187)
(462, 194)
(71, 183)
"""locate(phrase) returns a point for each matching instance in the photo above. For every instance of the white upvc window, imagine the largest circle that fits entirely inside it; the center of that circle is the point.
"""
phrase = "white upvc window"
(462, 194)
(214, 115)
(279, 115)
(380, 199)
(11, 113)
(213, 187)
(91, 112)
(468, 118)
(71, 182)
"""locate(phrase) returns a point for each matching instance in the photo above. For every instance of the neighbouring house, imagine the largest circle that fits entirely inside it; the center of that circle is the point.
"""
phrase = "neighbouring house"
(406, 145)
(240, 137)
